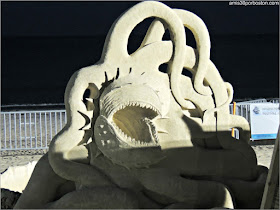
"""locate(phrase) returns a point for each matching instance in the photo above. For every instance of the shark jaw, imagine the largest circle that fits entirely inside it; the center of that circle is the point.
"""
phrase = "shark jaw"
(133, 123)
(131, 111)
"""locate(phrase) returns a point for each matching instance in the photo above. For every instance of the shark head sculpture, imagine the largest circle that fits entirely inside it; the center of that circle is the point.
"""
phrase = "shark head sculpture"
(128, 110)
(143, 108)
(142, 130)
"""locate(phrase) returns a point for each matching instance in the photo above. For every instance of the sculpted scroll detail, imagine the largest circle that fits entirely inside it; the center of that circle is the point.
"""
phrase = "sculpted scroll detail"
(142, 138)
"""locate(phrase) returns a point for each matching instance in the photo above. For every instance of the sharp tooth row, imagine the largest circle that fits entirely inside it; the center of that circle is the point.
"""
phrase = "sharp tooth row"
(152, 129)
(123, 135)
(147, 106)
(134, 103)
(131, 140)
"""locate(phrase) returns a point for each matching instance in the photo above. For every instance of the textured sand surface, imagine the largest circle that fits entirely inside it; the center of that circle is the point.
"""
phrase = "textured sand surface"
(17, 158)
(14, 158)
(264, 154)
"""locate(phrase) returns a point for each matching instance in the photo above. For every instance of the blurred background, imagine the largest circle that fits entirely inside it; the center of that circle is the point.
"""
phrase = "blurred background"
(44, 43)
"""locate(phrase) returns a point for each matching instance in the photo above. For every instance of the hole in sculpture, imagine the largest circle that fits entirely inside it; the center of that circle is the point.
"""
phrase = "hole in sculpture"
(86, 96)
(163, 67)
(166, 35)
(190, 40)
(89, 95)
(137, 35)
(187, 73)
(235, 133)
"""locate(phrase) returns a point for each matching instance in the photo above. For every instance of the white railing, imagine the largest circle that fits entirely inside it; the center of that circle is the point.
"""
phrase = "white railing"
(243, 108)
(35, 129)
(30, 129)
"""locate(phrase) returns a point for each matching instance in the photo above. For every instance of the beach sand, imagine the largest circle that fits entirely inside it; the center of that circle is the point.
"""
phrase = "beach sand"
(19, 157)
(264, 154)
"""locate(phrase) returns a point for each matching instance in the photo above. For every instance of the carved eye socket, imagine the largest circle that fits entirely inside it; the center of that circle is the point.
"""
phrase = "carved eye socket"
(85, 98)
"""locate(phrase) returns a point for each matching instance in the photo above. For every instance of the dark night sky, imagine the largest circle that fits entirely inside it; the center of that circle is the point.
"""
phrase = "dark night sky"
(95, 18)
(44, 43)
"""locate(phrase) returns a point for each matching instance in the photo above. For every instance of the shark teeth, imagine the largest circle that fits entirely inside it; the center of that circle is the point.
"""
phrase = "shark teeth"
(136, 103)
(137, 143)
(152, 130)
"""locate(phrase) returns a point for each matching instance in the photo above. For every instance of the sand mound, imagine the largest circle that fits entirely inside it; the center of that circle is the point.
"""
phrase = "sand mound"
(15, 178)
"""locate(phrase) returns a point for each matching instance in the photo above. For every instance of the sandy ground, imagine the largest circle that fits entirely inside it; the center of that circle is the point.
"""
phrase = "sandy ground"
(15, 158)
(264, 154)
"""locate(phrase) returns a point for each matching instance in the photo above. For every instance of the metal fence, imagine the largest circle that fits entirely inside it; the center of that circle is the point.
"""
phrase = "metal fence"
(35, 129)
(30, 129)
(243, 109)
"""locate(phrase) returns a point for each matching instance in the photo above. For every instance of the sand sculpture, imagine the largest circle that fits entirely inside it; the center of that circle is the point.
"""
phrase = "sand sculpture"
(8, 198)
(15, 178)
(142, 138)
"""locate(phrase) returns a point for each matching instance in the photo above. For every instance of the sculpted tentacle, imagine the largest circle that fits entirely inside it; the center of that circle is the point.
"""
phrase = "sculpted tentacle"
(201, 35)
(198, 63)
(198, 28)
(72, 134)
(115, 47)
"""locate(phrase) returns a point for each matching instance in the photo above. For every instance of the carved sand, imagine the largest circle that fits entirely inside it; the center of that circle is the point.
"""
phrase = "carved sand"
(142, 138)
